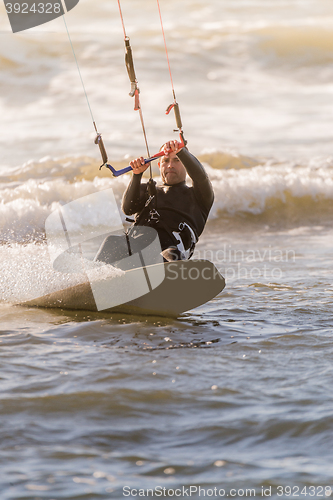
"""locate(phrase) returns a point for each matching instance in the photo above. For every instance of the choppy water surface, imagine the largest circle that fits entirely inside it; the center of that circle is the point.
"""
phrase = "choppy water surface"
(234, 395)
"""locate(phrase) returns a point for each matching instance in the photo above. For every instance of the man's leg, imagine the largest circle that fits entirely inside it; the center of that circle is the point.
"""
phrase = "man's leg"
(113, 249)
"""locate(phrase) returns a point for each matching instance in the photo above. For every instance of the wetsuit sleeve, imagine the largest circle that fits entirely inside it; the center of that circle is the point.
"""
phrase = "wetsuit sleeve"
(202, 186)
(134, 197)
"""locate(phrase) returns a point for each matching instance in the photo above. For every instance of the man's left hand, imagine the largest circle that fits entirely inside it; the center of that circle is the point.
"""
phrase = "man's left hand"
(172, 147)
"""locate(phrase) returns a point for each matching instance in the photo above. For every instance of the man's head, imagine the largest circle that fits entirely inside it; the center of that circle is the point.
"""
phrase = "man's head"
(171, 168)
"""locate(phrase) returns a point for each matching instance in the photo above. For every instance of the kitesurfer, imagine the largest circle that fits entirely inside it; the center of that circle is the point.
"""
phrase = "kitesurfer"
(178, 212)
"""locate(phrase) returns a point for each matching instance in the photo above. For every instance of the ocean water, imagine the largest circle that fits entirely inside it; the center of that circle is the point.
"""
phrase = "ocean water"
(232, 399)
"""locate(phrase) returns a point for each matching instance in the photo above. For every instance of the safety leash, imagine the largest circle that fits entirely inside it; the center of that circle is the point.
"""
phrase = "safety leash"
(135, 91)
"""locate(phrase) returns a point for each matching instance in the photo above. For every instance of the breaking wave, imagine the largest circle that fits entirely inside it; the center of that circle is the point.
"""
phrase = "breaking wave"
(280, 192)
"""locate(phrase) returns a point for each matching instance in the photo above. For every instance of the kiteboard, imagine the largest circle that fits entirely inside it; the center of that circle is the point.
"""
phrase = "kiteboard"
(186, 285)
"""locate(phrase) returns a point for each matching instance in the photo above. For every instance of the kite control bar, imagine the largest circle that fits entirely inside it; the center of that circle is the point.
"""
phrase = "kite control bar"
(124, 170)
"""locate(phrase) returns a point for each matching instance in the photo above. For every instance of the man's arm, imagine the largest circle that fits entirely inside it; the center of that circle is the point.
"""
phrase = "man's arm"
(134, 197)
(201, 184)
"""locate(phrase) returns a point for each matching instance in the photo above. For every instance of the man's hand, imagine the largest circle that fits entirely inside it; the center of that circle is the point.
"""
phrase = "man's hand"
(138, 165)
(172, 147)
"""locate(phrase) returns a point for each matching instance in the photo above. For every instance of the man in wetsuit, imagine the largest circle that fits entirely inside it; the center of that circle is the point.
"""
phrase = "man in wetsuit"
(176, 211)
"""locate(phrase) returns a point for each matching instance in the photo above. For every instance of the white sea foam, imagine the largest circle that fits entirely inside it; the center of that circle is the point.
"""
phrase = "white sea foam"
(26, 272)
(252, 190)
(248, 186)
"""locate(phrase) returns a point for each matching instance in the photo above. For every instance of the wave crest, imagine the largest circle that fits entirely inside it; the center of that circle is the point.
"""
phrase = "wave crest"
(245, 189)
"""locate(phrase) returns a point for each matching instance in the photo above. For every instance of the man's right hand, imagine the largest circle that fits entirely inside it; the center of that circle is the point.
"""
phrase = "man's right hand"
(138, 165)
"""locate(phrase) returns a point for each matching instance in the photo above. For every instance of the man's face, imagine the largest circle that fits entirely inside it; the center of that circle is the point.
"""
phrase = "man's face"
(172, 170)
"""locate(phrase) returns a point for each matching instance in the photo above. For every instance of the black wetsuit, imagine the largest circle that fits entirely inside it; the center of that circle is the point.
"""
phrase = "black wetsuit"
(177, 212)
(173, 205)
